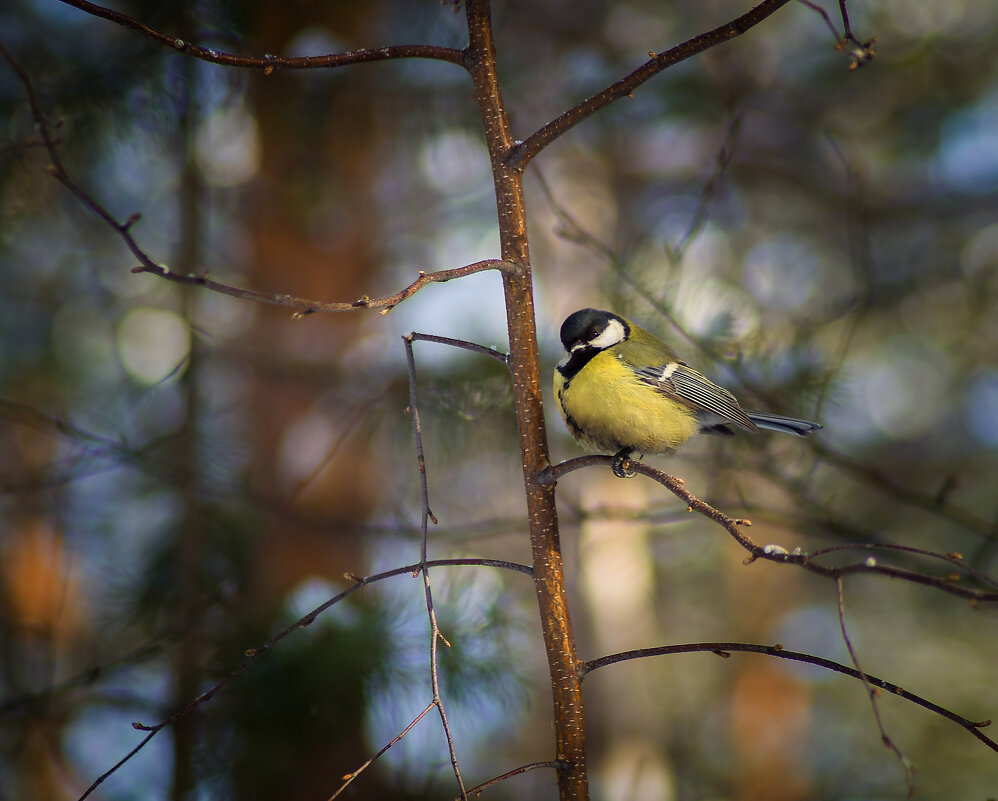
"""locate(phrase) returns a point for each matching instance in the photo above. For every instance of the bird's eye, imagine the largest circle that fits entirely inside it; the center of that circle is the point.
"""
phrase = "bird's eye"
(592, 333)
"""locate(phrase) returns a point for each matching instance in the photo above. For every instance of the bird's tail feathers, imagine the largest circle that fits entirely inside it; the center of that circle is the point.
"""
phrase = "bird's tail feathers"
(785, 425)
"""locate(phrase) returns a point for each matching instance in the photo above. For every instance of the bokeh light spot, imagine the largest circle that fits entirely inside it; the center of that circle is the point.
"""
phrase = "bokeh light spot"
(152, 343)
(455, 162)
(780, 272)
(227, 147)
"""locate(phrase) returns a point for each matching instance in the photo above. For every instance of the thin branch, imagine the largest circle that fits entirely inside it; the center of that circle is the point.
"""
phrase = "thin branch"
(955, 559)
(306, 307)
(523, 152)
(724, 648)
(348, 779)
(435, 638)
(427, 516)
(477, 789)
(417, 433)
(824, 15)
(502, 358)
(674, 484)
(269, 63)
(860, 53)
(253, 654)
(844, 13)
(770, 552)
(152, 732)
(58, 169)
(885, 738)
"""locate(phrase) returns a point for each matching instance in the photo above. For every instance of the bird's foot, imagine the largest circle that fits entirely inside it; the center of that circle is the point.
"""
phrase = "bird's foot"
(621, 464)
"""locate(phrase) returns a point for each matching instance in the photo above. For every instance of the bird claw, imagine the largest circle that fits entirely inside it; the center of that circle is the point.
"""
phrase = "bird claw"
(621, 465)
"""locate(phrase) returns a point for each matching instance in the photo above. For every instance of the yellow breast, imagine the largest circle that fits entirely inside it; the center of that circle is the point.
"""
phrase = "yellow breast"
(607, 408)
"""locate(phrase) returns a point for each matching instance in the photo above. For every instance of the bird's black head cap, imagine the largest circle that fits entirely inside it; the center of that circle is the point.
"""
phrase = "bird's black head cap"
(585, 325)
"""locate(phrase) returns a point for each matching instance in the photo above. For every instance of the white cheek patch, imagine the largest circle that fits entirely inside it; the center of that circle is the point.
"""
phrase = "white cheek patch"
(612, 335)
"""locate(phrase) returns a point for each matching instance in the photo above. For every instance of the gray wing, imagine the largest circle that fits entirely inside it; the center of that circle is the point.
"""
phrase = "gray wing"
(714, 404)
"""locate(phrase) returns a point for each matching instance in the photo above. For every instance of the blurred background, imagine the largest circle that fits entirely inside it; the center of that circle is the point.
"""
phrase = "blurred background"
(183, 474)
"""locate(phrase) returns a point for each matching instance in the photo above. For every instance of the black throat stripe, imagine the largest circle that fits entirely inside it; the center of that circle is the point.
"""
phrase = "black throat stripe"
(576, 362)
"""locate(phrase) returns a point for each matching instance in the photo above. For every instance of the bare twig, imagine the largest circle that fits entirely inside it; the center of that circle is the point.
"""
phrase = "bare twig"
(427, 515)
(955, 559)
(58, 169)
(502, 358)
(860, 53)
(348, 779)
(477, 789)
(523, 152)
(844, 13)
(253, 654)
(269, 63)
(724, 649)
(824, 15)
(909, 769)
(304, 306)
(847, 33)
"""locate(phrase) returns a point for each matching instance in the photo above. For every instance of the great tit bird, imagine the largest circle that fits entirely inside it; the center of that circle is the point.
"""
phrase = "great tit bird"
(620, 389)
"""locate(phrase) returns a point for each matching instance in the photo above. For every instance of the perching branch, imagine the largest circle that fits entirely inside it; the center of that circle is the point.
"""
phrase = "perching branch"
(948, 583)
